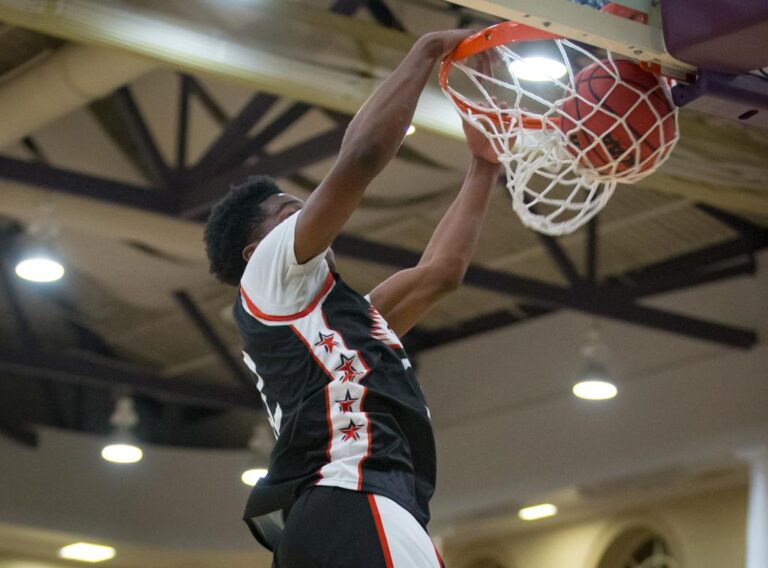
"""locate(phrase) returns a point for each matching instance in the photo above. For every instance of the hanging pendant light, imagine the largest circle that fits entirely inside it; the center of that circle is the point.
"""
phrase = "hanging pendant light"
(595, 381)
(123, 446)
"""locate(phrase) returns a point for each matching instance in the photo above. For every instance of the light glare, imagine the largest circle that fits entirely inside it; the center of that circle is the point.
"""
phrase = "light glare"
(252, 476)
(87, 552)
(411, 130)
(537, 69)
(122, 453)
(595, 390)
(40, 269)
(536, 512)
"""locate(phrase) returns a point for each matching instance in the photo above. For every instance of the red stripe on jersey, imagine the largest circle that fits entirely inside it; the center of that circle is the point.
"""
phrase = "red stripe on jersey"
(256, 312)
(330, 427)
(370, 439)
(380, 530)
(439, 558)
(327, 395)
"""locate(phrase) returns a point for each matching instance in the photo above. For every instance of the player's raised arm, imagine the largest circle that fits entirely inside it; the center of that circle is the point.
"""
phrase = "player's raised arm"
(371, 141)
(405, 297)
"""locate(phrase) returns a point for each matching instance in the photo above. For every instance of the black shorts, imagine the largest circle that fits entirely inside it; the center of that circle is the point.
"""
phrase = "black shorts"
(330, 527)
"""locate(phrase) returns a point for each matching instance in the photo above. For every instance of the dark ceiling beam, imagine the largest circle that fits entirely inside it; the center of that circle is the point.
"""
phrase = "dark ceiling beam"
(209, 333)
(19, 433)
(197, 201)
(383, 15)
(591, 255)
(744, 226)
(256, 145)
(559, 256)
(423, 340)
(419, 340)
(34, 148)
(182, 124)
(83, 185)
(346, 7)
(234, 135)
(671, 283)
(692, 262)
(140, 138)
(209, 103)
(592, 301)
(106, 374)
(585, 299)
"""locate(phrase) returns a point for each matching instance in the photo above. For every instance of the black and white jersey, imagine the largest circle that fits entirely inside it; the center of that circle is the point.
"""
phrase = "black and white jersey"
(338, 387)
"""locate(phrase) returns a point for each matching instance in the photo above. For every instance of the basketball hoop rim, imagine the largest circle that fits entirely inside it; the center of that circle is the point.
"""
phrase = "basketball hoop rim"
(493, 36)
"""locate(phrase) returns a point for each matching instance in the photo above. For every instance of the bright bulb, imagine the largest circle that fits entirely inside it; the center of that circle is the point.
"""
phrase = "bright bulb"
(537, 69)
(87, 552)
(595, 390)
(411, 130)
(122, 453)
(40, 269)
(252, 476)
(537, 512)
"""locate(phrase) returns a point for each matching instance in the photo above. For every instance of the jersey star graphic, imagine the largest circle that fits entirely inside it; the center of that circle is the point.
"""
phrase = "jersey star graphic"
(350, 432)
(346, 403)
(328, 342)
(348, 368)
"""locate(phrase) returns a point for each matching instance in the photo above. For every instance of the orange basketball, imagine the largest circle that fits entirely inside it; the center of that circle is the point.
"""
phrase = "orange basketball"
(621, 121)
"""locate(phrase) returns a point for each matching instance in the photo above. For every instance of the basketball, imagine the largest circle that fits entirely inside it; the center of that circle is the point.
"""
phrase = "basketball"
(621, 119)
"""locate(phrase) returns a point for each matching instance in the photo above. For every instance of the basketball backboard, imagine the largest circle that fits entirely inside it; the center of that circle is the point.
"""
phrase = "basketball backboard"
(720, 65)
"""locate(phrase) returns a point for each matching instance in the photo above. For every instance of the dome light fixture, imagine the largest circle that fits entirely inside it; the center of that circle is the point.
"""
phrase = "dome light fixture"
(260, 445)
(536, 512)
(122, 453)
(40, 269)
(537, 69)
(595, 390)
(87, 552)
(123, 448)
(252, 476)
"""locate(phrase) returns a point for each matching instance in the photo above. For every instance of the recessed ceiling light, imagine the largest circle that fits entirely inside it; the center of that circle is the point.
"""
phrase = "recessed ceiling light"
(595, 390)
(536, 512)
(87, 552)
(252, 476)
(40, 269)
(122, 453)
(537, 69)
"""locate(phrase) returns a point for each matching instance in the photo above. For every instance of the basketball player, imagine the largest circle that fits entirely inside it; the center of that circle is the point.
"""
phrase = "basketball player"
(354, 461)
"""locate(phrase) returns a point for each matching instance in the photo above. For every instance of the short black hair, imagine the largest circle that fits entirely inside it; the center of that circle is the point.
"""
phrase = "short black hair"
(231, 226)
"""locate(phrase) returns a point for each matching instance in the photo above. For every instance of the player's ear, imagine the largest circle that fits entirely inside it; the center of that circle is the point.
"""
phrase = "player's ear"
(248, 251)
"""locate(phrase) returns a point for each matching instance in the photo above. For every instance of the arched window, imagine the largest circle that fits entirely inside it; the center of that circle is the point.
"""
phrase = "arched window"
(639, 548)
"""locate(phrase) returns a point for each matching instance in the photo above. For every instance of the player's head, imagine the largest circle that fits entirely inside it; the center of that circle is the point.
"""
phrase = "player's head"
(240, 220)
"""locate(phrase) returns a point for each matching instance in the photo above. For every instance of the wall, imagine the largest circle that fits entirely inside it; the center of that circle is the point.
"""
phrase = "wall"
(704, 531)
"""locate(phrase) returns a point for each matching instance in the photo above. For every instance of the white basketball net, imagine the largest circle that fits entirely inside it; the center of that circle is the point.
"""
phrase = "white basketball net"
(555, 187)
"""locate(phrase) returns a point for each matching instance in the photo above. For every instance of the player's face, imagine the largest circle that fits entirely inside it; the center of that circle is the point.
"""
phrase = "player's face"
(278, 208)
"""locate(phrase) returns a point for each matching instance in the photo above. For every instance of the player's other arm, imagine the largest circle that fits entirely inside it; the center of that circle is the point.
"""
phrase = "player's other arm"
(405, 297)
(370, 142)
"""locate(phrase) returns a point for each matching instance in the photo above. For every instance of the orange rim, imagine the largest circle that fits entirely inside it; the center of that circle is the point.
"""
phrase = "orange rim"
(494, 36)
